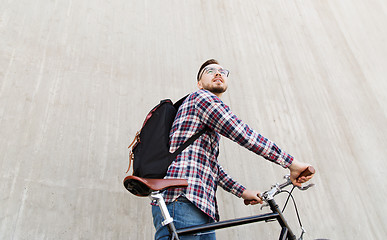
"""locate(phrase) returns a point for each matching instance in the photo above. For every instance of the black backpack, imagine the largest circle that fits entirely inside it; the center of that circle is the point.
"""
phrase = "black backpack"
(150, 147)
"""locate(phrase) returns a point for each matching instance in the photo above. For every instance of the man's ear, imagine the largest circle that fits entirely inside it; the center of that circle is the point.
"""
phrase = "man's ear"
(200, 86)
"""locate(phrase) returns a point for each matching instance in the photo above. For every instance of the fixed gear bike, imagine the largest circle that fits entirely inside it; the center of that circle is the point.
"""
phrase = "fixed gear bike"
(152, 188)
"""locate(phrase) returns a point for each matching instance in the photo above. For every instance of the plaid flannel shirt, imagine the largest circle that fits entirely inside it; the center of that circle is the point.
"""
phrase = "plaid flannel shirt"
(198, 162)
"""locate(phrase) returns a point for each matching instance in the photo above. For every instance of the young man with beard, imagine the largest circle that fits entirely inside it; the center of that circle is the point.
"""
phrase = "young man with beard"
(197, 203)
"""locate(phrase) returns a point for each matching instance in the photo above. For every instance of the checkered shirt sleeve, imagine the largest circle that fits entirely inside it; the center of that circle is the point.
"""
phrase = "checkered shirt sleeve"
(214, 113)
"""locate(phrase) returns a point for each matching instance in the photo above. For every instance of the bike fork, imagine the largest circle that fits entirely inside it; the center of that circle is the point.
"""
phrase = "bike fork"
(168, 220)
(286, 232)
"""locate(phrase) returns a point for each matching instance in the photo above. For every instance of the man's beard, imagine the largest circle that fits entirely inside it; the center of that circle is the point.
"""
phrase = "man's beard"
(216, 89)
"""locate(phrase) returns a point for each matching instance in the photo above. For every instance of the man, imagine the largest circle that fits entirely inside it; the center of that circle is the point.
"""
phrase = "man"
(197, 204)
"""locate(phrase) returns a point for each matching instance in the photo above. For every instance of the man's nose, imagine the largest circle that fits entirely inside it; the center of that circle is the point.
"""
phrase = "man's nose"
(217, 73)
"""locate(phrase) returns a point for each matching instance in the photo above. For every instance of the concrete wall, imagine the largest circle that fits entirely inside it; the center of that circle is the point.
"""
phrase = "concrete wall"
(78, 77)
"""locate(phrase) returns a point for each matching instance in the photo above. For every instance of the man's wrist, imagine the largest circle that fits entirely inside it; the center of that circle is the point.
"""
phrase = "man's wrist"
(287, 160)
(239, 191)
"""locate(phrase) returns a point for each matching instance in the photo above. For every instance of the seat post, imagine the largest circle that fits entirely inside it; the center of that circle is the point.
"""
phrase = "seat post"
(168, 220)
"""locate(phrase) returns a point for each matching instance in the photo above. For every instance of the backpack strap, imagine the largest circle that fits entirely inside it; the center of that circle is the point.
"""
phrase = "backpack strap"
(189, 142)
(178, 103)
(133, 144)
(191, 139)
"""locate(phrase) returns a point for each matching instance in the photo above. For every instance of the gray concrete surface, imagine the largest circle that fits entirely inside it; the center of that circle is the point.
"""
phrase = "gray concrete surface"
(78, 77)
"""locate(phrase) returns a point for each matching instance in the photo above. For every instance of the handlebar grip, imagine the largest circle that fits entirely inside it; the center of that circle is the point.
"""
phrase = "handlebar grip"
(307, 172)
(247, 202)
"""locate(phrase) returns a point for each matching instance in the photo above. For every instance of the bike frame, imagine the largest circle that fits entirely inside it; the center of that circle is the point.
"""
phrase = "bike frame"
(267, 196)
(276, 214)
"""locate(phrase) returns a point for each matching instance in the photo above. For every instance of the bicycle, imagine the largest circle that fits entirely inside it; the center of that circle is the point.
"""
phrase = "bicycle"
(152, 188)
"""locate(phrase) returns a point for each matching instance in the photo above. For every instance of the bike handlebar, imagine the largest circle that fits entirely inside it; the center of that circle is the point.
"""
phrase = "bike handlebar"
(307, 172)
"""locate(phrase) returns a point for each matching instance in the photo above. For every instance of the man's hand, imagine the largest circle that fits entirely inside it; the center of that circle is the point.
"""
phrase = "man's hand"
(252, 196)
(296, 168)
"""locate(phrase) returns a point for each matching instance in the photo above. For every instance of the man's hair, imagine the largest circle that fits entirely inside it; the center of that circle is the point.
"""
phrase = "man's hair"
(206, 63)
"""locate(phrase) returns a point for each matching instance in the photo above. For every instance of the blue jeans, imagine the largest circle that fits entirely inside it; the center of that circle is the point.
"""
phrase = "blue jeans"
(184, 214)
